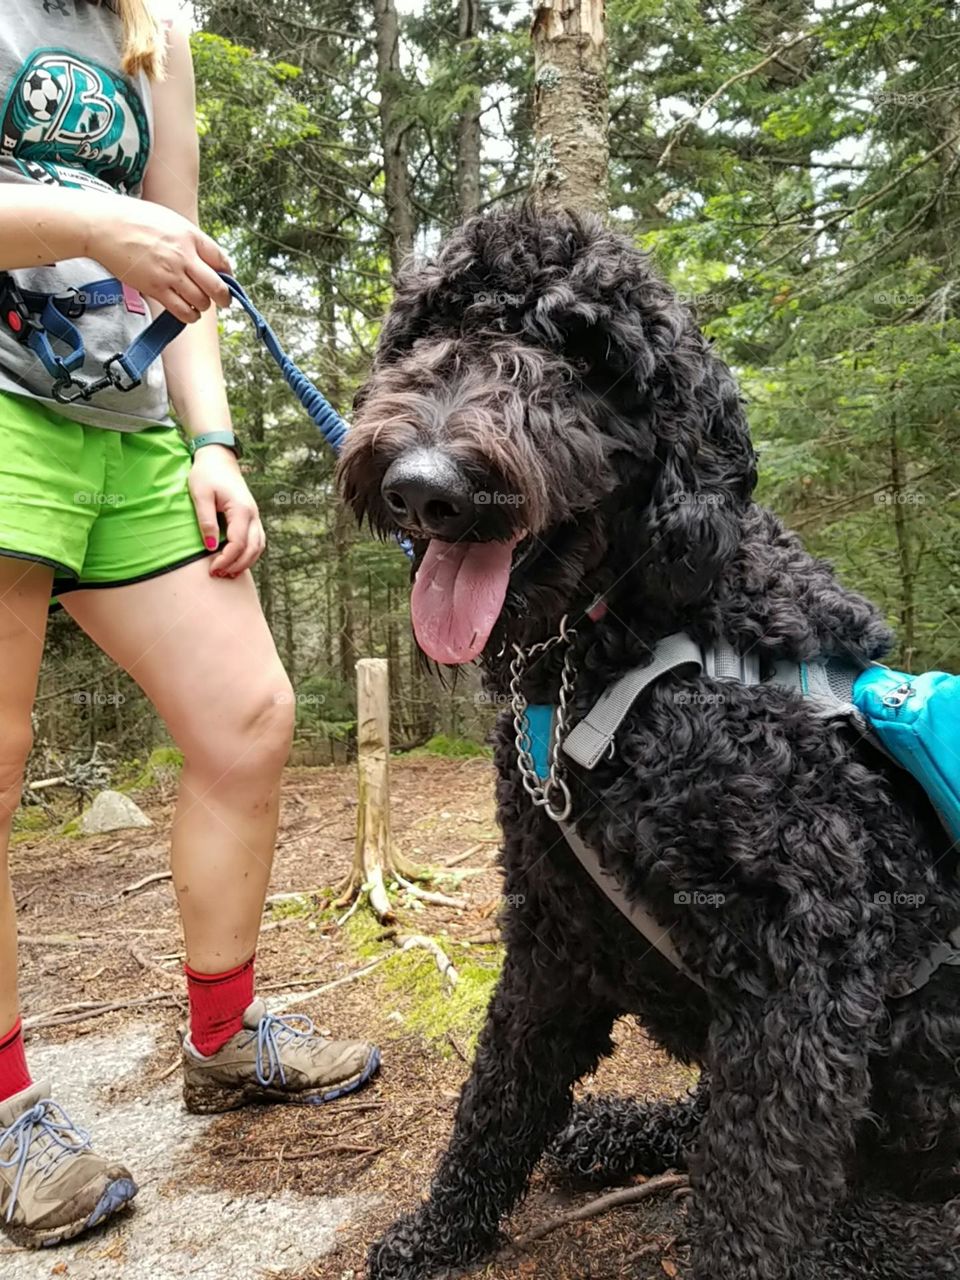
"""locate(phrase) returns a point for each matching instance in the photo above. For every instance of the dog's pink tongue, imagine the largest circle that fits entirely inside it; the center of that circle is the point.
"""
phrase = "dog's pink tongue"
(457, 597)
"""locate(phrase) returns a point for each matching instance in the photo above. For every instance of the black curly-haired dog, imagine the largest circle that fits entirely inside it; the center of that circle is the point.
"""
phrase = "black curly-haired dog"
(547, 424)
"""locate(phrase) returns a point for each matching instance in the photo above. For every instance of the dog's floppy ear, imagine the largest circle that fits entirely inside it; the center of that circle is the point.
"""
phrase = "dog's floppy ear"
(675, 405)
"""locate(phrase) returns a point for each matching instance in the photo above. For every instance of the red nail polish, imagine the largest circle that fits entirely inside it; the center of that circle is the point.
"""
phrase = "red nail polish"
(211, 544)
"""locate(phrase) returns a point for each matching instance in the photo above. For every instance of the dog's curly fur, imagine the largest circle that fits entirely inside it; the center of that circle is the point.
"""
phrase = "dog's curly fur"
(544, 355)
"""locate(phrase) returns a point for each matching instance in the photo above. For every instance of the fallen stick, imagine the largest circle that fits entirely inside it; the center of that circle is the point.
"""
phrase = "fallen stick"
(462, 857)
(145, 883)
(151, 966)
(444, 963)
(338, 1149)
(627, 1195)
(82, 1011)
(425, 895)
(329, 986)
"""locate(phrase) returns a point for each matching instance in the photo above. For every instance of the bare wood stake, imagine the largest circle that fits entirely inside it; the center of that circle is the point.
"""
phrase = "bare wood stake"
(627, 1195)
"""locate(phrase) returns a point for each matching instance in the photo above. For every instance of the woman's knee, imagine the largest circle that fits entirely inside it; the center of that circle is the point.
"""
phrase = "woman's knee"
(16, 743)
(252, 740)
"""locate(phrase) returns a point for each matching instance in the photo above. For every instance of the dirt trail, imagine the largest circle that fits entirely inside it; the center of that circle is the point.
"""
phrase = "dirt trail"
(292, 1191)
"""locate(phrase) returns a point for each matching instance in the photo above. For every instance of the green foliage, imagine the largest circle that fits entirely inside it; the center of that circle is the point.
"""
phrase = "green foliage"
(162, 764)
(451, 748)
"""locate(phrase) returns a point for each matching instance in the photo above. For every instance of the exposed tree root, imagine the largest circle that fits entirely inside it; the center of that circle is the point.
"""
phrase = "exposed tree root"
(663, 1183)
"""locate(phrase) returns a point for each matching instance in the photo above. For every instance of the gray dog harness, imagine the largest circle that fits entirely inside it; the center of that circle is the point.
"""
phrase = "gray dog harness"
(541, 735)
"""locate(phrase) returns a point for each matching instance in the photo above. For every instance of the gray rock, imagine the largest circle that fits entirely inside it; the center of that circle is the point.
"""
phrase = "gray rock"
(112, 811)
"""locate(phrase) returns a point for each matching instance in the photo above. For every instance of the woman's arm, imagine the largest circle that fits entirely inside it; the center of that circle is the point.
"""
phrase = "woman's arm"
(153, 248)
(192, 363)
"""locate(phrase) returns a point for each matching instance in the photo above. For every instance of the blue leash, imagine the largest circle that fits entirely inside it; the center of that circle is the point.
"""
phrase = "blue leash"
(57, 313)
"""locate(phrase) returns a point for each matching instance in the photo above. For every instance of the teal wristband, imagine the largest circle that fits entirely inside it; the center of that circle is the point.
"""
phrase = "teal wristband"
(226, 438)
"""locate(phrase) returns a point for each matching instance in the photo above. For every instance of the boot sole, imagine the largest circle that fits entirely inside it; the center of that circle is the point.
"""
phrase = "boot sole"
(117, 1196)
(215, 1099)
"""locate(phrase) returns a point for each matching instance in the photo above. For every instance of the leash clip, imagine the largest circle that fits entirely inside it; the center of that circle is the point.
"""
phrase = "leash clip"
(115, 379)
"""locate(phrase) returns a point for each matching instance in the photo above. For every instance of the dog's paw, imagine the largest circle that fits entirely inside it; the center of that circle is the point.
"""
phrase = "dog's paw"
(400, 1254)
(420, 1248)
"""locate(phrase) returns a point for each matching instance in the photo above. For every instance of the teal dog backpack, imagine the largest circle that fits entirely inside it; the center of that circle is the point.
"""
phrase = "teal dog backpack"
(916, 720)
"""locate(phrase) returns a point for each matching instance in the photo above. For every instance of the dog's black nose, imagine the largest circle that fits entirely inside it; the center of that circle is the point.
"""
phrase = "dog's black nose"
(426, 490)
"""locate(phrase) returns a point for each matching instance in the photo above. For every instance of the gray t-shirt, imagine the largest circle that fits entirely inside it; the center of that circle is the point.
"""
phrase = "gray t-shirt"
(71, 118)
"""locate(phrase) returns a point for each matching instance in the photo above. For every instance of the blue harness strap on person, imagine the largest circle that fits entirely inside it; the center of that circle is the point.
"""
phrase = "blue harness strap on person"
(39, 319)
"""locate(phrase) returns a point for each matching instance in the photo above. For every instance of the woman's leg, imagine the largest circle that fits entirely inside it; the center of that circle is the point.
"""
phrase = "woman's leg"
(24, 598)
(40, 1203)
(200, 649)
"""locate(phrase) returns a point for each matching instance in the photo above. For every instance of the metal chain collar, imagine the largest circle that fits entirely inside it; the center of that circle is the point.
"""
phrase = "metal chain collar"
(542, 793)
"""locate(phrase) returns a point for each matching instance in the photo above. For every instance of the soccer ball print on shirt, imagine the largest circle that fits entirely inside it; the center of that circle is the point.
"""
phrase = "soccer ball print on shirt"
(71, 122)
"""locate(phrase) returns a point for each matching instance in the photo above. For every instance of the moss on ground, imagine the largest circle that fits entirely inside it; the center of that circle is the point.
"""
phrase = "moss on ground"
(449, 748)
(161, 763)
(425, 1001)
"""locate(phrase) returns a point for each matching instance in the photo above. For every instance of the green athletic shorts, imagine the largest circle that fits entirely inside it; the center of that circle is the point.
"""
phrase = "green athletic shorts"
(104, 508)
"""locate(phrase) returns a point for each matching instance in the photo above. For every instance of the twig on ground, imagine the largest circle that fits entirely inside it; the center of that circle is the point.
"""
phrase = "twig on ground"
(444, 963)
(425, 895)
(329, 986)
(456, 1048)
(61, 940)
(474, 848)
(315, 1153)
(156, 878)
(84, 1010)
(151, 966)
(626, 1195)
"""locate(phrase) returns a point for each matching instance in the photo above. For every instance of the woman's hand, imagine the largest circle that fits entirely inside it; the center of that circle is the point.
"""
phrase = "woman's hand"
(162, 254)
(217, 485)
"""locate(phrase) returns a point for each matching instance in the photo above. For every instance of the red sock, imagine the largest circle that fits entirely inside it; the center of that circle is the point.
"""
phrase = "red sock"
(218, 1002)
(14, 1076)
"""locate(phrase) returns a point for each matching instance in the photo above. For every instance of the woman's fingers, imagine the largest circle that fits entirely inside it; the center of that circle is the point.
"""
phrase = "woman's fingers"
(207, 280)
(172, 301)
(239, 520)
(192, 295)
(256, 544)
(212, 254)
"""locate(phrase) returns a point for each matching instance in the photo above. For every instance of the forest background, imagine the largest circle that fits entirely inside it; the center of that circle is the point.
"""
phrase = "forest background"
(793, 169)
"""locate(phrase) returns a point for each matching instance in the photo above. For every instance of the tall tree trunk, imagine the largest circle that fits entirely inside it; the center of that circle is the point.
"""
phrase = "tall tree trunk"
(400, 220)
(468, 133)
(570, 104)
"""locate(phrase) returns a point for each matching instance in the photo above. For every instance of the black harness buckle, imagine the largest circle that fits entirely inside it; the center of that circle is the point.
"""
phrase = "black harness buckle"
(71, 304)
(14, 312)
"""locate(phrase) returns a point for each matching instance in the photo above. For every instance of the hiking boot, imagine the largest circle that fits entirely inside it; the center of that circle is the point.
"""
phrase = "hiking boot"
(52, 1185)
(275, 1059)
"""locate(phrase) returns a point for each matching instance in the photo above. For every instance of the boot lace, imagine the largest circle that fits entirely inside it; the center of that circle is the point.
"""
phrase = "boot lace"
(273, 1032)
(43, 1137)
